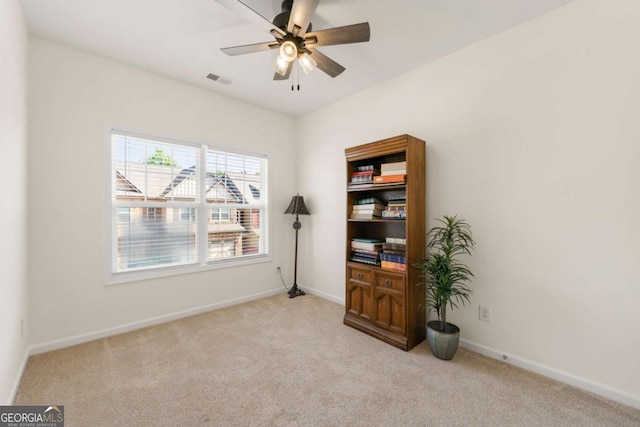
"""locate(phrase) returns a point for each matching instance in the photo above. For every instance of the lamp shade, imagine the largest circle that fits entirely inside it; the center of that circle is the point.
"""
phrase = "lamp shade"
(297, 206)
(288, 51)
(307, 63)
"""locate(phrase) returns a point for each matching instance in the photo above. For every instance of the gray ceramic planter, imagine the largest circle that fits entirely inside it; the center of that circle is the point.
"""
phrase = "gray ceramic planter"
(443, 344)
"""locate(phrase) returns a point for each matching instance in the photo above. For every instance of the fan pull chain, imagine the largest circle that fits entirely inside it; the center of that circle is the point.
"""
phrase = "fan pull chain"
(296, 70)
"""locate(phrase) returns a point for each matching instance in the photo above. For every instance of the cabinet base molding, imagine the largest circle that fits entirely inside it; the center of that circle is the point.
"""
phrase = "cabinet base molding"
(368, 328)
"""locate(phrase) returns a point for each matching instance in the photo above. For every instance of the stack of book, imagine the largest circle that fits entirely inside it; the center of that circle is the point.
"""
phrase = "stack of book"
(366, 251)
(367, 208)
(363, 174)
(393, 255)
(395, 208)
(391, 173)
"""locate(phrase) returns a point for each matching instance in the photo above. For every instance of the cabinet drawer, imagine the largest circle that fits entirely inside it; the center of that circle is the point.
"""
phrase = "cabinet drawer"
(390, 281)
(360, 274)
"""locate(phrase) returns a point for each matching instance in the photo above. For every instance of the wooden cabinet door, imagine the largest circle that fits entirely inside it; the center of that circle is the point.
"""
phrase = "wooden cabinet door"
(359, 285)
(389, 302)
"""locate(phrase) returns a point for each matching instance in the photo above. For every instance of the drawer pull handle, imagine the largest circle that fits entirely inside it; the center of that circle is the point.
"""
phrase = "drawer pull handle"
(359, 276)
(388, 282)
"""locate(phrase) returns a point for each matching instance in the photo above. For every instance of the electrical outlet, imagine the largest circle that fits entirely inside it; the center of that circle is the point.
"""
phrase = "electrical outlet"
(484, 313)
(277, 269)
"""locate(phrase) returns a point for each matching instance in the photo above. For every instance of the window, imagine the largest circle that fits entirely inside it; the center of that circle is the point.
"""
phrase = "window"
(187, 214)
(182, 206)
(153, 214)
(124, 214)
(220, 214)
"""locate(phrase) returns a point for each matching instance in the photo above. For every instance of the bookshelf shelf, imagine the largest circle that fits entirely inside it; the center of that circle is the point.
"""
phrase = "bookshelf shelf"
(374, 187)
(382, 296)
(376, 220)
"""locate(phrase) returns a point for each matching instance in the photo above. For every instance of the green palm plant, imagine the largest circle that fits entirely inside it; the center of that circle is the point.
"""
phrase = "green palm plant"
(446, 278)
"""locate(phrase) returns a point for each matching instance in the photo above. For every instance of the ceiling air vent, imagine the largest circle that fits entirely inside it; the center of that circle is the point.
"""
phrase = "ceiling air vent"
(218, 79)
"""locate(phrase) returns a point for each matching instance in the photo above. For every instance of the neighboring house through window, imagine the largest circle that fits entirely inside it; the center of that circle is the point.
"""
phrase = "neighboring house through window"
(177, 204)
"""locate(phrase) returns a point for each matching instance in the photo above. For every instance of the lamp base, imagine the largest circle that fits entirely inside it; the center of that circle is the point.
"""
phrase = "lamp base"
(295, 291)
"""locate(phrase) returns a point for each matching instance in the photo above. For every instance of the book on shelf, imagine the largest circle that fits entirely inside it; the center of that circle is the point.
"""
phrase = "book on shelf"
(367, 244)
(397, 200)
(364, 168)
(370, 212)
(393, 251)
(365, 256)
(368, 206)
(388, 179)
(376, 212)
(387, 168)
(400, 240)
(364, 260)
(365, 216)
(365, 252)
(391, 214)
(362, 177)
(399, 259)
(368, 201)
(396, 208)
(388, 246)
(394, 172)
(395, 266)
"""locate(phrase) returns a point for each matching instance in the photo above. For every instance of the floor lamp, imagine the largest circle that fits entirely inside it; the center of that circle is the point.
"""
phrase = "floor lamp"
(296, 207)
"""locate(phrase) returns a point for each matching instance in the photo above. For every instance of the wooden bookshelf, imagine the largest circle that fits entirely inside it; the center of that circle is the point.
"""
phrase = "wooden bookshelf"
(384, 303)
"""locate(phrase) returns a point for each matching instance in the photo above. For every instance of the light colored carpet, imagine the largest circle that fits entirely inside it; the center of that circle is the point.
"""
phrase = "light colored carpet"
(282, 362)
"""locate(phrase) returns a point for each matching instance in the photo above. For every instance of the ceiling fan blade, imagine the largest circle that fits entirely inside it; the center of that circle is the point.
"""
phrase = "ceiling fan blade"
(246, 12)
(301, 16)
(277, 76)
(355, 33)
(326, 64)
(249, 48)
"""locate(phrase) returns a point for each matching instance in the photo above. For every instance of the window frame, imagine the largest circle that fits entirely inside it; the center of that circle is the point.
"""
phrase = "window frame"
(202, 207)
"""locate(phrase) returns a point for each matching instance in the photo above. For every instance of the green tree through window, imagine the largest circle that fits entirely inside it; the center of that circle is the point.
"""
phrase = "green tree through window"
(160, 158)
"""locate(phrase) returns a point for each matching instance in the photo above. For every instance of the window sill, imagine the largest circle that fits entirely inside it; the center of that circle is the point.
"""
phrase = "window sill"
(156, 273)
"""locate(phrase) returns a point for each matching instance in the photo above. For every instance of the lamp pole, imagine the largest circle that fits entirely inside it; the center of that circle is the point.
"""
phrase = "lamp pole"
(297, 208)
(295, 291)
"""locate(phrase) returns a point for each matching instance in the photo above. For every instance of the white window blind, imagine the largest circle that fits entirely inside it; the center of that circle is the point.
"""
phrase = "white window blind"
(180, 204)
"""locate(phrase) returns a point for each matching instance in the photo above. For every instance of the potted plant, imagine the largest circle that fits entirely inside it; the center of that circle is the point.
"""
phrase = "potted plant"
(446, 281)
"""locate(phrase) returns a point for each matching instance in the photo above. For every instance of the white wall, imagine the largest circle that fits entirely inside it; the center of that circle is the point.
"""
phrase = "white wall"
(13, 152)
(72, 96)
(532, 136)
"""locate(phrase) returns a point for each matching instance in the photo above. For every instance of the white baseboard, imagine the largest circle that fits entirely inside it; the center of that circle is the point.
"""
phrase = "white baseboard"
(594, 387)
(79, 339)
(16, 382)
(325, 295)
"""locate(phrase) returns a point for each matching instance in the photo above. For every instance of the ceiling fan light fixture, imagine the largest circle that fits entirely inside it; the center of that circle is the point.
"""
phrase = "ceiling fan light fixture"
(307, 63)
(281, 65)
(288, 51)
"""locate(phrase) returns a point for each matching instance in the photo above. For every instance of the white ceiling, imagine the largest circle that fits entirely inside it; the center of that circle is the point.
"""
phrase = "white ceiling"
(181, 39)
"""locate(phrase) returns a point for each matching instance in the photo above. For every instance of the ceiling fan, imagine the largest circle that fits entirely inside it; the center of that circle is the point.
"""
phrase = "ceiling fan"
(295, 38)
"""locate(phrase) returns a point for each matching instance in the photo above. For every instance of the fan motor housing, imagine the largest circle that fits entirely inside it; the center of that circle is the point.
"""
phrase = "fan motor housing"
(282, 19)
(287, 5)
